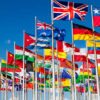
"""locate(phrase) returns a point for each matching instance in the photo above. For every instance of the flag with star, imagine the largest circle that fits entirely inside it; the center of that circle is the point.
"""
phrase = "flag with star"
(96, 17)
(30, 42)
(43, 29)
(63, 10)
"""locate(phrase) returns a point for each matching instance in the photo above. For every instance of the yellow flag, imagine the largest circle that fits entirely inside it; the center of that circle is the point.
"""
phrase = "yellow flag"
(48, 52)
(3, 61)
(66, 83)
(91, 44)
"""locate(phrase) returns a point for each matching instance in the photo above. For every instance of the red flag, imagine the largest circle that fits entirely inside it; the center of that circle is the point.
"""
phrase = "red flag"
(10, 61)
(90, 65)
(96, 17)
(28, 40)
(65, 47)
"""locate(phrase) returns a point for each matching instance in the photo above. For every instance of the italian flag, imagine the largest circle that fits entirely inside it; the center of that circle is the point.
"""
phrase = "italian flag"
(29, 55)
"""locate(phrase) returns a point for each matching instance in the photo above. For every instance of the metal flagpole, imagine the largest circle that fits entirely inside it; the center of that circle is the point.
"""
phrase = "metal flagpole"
(33, 90)
(95, 55)
(18, 91)
(40, 88)
(13, 89)
(6, 98)
(88, 73)
(80, 87)
(49, 86)
(73, 61)
(3, 93)
(54, 98)
(44, 79)
(25, 86)
(36, 86)
(23, 63)
(72, 83)
(84, 82)
(58, 73)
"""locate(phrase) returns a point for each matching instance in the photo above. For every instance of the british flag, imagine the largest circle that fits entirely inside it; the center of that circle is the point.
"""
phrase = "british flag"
(68, 10)
(44, 26)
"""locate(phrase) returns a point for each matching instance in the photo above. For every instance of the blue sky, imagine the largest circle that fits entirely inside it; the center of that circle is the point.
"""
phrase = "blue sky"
(17, 15)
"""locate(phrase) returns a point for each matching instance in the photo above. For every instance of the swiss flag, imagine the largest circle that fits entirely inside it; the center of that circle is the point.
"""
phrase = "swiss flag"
(28, 40)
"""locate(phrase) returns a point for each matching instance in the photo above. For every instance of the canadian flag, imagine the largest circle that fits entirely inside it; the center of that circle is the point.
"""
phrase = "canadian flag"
(65, 47)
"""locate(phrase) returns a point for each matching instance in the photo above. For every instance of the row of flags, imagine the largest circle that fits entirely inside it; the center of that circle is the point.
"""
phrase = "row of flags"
(23, 58)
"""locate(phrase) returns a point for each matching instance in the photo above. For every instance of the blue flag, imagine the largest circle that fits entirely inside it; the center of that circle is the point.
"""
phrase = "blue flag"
(66, 75)
(59, 34)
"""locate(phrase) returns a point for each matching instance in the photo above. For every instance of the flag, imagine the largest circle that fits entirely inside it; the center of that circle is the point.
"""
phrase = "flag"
(46, 65)
(44, 30)
(90, 45)
(30, 66)
(29, 56)
(66, 75)
(83, 33)
(90, 65)
(65, 47)
(10, 68)
(59, 34)
(68, 64)
(30, 42)
(85, 72)
(66, 82)
(96, 17)
(66, 89)
(10, 60)
(9, 74)
(80, 56)
(63, 10)
(61, 55)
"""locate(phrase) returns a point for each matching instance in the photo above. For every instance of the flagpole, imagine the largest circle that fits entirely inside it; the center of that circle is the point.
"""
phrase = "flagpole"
(18, 91)
(40, 87)
(36, 96)
(54, 98)
(25, 86)
(73, 60)
(83, 81)
(13, 89)
(72, 83)
(95, 55)
(23, 64)
(44, 79)
(6, 77)
(58, 67)
(80, 87)
(49, 86)
(3, 93)
(88, 73)
(33, 90)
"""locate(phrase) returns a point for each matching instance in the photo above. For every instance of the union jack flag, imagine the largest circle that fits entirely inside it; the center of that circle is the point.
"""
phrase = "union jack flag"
(44, 26)
(68, 10)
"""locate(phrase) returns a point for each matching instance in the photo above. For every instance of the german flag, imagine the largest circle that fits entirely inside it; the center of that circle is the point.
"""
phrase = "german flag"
(84, 33)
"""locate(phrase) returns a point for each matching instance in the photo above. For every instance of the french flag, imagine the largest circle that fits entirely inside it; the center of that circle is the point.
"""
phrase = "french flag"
(96, 17)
